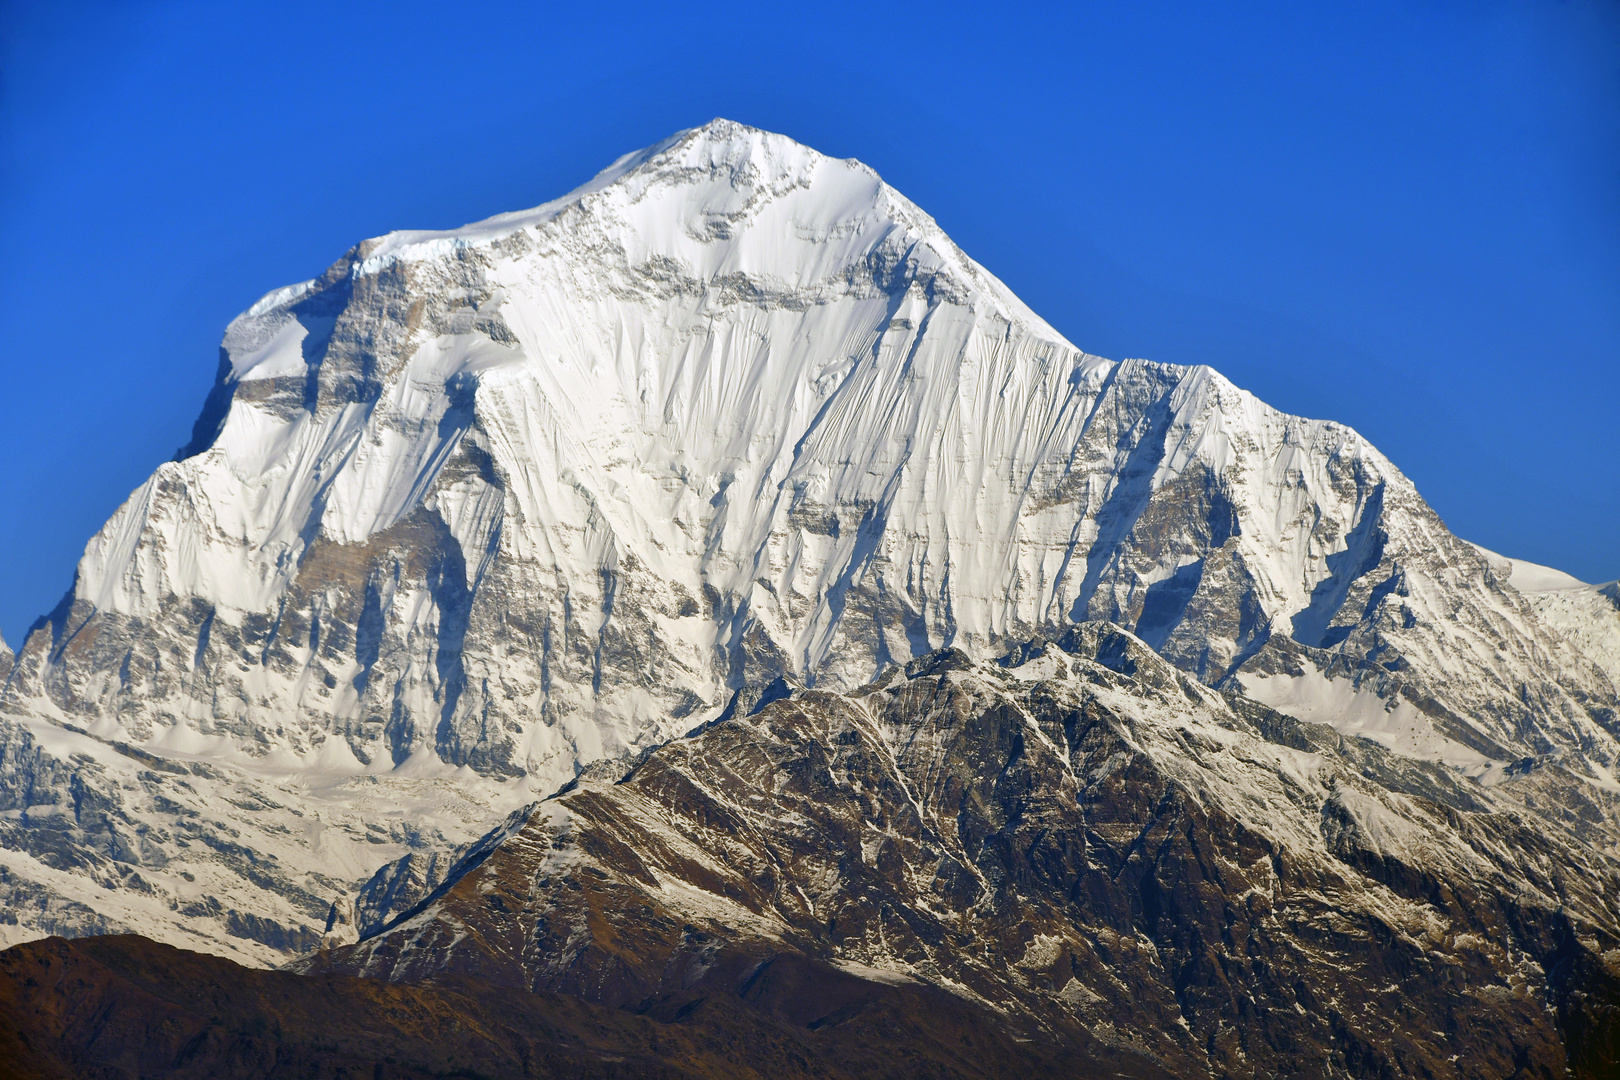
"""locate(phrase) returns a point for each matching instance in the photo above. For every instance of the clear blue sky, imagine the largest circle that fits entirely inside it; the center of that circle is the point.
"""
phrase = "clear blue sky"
(1401, 215)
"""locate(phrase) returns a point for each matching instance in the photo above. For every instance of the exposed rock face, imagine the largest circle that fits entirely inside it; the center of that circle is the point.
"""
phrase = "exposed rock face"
(475, 509)
(1085, 838)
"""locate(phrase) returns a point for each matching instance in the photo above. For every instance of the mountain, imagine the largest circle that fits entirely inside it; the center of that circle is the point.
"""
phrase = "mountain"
(1081, 838)
(476, 510)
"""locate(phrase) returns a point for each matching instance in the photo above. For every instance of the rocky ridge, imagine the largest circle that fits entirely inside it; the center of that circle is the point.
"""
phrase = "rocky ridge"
(1083, 838)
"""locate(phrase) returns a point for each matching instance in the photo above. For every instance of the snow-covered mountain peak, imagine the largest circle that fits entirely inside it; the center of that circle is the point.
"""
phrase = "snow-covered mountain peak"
(718, 169)
(497, 502)
(765, 386)
(724, 199)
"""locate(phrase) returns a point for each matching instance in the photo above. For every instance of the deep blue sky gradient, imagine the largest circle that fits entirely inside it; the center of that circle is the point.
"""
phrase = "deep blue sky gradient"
(1401, 215)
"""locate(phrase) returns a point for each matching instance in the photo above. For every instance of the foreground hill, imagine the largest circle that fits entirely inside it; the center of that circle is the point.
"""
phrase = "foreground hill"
(116, 1007)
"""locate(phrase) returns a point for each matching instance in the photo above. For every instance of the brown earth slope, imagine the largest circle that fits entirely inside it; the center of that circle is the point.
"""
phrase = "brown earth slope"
(124, 1007)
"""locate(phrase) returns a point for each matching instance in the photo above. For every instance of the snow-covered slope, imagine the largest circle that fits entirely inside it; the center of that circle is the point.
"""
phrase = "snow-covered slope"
(1529, 577)
(497, 502)
(1587, 616)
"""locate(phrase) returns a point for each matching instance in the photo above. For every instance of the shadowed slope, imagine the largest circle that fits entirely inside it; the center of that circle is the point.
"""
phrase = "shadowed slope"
(116, 1007)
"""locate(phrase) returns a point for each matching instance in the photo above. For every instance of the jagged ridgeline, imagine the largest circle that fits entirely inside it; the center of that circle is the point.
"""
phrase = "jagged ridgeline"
(476, 510)
(1128, 870)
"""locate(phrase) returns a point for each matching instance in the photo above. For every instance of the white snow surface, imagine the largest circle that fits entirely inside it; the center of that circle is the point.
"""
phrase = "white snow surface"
(1397, 725)
(1529, 577)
